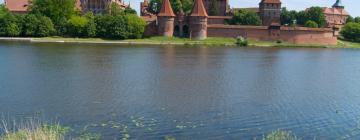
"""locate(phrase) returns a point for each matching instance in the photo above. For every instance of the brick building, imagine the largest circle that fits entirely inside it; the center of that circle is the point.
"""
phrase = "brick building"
(199, 25)
(336, 16)
(95, 6)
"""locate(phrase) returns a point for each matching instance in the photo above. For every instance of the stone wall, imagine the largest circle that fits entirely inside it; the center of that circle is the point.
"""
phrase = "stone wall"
(298, 35)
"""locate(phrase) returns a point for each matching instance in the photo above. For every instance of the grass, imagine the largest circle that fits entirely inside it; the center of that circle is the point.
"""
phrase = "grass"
(211, 41)
(280, 135)
(33, 130)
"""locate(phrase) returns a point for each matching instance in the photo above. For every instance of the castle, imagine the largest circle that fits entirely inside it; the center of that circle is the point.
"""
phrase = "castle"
(199, 25)
(94, 6)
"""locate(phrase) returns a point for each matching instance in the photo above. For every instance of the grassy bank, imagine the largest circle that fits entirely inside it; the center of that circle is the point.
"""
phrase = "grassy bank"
(56, 132)
(211, 41)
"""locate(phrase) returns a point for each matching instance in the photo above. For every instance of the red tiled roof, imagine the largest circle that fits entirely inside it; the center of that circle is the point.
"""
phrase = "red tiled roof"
(17, 5)
(166, 9)
(335, 11)
(270, 1)
(199, 9)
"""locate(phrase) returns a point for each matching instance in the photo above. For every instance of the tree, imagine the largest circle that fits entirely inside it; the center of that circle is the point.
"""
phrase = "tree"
(129, 10)
(77, 26)
(350, 19)
(214, 8)
(187, 6)
(135, 26)
(3, 10)
(316, 14)
(57, 10)
(10, 25)
(357, 20)
(90, 28)
(245, 17)
(351, 31)
(30, 25)
(311, 24)
(45, 27)
(287, 17)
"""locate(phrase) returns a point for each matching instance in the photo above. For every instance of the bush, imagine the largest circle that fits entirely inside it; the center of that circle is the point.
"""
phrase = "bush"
(81, 26)
(45, 27)
(119, 26)
(351, 32)
(241, 41)
(244, 17)
(10, 25)
(311, 24)
(30, 25)
(135, 26)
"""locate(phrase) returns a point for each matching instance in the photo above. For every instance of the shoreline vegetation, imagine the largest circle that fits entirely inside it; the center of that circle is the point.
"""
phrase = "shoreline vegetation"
(37, 130)
(211, 41)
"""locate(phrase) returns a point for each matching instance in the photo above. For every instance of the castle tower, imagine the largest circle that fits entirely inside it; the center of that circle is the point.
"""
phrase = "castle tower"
(198, 21)
(270, 11)
(338, 4)
(165, 20)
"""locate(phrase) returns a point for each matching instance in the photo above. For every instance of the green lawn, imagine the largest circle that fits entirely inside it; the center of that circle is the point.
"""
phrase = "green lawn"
(211, 41)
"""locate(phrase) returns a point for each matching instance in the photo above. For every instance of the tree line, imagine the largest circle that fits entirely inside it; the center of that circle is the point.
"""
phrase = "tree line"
(61, 18)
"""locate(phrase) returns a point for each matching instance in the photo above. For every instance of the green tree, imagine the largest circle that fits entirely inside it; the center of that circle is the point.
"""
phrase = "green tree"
(90, 28)
(357, 19)
(30, 25)
(287, 17)
(350, 19)
(57, 10)
(129, 10)
(245, 17)
(45, 27)
(3, 10)
(214, 8)
(76, 26)
(103, 24)
(351, 31)
(10, 25)
(135, 26)
(187, 6)
(311, 24)
(316, 14)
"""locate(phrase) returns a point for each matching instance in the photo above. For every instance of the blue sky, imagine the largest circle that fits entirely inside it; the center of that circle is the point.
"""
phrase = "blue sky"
(350, 5)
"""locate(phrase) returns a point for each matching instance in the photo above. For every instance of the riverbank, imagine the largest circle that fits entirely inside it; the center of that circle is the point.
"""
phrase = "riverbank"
(178, 41)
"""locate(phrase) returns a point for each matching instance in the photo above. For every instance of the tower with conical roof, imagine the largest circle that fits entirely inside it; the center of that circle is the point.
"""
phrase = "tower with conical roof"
(165, 20)
(198, 21)
(338, 4)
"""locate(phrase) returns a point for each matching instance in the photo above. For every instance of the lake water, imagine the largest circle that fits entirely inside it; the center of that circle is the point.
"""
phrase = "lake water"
(150, 92)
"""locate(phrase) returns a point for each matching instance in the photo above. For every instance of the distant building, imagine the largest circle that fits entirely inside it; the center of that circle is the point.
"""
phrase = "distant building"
(95, 6)
(336, 16)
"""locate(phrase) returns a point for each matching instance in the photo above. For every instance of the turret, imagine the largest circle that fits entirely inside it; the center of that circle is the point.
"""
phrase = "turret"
(198, 21)
(165, 20)
(338, 4)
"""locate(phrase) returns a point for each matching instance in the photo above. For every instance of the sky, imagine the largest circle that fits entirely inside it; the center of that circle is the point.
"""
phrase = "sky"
(350, 5)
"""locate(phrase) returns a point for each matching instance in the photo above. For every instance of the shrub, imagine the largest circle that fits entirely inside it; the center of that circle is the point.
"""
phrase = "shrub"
(135, 26)
(244, 17)
(10, 25)
(76, 26)
(30, 25)
(241, 41)
(45, 27)
(351, 31)
(311, 24)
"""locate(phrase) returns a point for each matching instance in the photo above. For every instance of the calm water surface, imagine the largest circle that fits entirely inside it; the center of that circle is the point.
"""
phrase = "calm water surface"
(186, 92)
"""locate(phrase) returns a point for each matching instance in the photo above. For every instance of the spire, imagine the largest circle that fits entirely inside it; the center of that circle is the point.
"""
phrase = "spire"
(338, 4)
(166, 9)
(199, 9)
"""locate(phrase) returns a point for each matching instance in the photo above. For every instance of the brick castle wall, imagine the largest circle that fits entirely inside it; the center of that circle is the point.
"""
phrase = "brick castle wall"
(298, 35)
